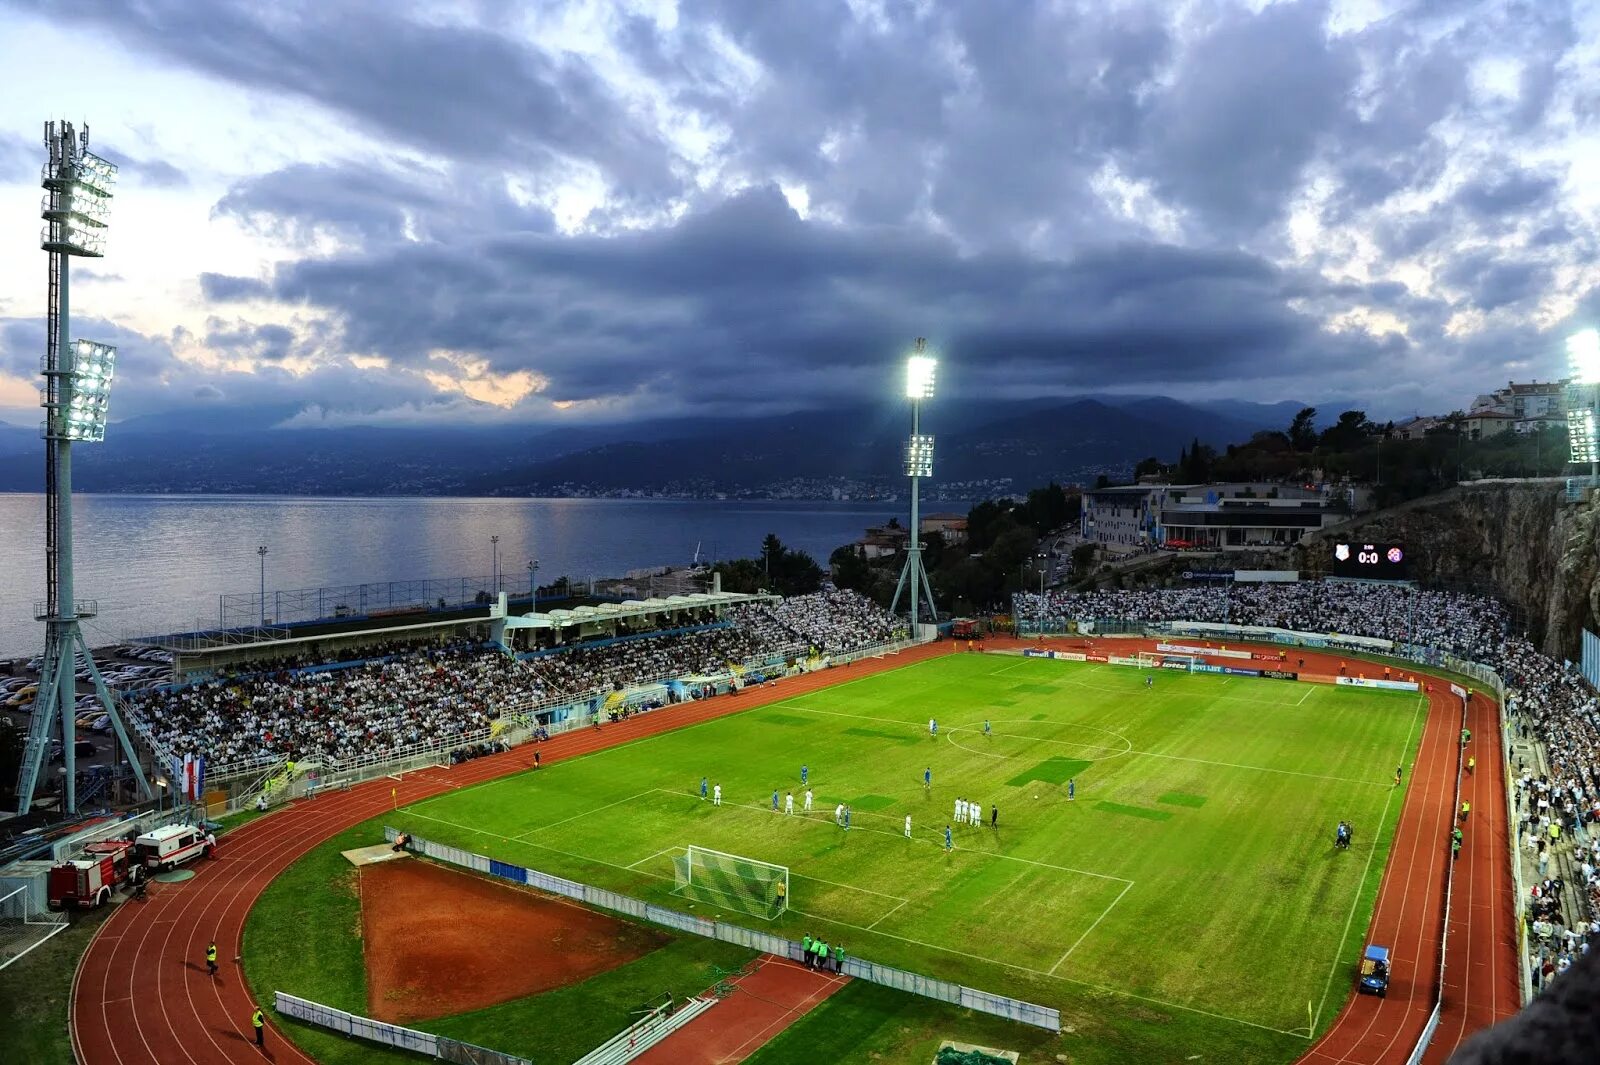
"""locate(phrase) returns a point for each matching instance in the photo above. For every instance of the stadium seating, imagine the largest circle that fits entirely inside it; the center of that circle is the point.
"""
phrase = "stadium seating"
(403, 696)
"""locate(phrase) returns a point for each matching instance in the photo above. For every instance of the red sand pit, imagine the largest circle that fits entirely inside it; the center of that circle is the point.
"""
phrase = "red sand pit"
(139, 994)
(439, 942)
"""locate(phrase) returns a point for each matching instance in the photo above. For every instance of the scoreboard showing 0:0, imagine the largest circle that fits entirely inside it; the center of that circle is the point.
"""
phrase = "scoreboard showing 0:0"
(1371, 562)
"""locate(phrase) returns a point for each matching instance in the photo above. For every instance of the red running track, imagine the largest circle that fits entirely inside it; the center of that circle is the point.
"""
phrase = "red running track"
(764, 1002)
(142, 994)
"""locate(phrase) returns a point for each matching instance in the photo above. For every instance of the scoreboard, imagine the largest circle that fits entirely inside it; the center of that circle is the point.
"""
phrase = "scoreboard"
(1371, 562)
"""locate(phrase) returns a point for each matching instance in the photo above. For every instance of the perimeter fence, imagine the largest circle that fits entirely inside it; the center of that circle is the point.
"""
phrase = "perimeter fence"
(766, 942)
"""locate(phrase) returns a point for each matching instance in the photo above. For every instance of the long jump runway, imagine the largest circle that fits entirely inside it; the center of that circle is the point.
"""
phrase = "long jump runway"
(142, 993)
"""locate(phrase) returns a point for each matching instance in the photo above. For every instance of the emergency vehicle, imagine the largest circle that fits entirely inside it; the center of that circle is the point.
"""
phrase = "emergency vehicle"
(87, 881)
(169, 847)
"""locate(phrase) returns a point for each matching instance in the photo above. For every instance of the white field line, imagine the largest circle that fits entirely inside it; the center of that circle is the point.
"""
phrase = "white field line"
(542, 847)
(586, 813)
(885, 917)
(1114, 752)
(997, 672)
(653, 857)
(939, 842)
(1307, 695)
(1079, 942)
(1367, 868)
(915, 942)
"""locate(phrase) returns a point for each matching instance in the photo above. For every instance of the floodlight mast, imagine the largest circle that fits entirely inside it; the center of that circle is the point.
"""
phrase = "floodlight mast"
(920, 367)
(1583, 400)
(77, 385)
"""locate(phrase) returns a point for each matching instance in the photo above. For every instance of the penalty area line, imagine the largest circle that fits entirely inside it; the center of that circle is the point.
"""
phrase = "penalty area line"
(1079, 942)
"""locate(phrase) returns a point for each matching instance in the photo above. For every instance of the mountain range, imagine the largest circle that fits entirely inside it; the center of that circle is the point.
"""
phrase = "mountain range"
(985, 447)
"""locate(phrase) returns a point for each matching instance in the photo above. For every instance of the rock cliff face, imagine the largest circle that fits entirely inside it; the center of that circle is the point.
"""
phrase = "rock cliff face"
(1518, 540)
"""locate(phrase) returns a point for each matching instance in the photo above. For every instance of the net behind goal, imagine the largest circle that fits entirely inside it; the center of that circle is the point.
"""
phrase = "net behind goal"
(757, 888)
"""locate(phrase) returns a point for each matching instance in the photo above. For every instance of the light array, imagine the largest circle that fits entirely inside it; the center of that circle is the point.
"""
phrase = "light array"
(1581, 422)
(919, 376)
(78, 206)
(89, 372)
(919, 456)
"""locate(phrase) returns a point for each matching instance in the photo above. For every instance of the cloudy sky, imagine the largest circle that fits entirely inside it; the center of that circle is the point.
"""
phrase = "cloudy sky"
(558, 212)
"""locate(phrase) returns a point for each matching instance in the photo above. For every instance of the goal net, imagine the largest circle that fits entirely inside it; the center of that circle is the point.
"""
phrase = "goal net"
(1148, 660)
(757, 888)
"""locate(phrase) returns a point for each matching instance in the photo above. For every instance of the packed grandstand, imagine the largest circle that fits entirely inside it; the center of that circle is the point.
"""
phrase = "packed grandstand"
(401, 697)
(1548, 700)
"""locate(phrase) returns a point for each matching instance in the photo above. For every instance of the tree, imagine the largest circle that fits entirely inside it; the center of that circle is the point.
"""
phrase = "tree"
(1050, 508)
(1349, 432)
(984, 523)
(850, 568)
(1150, 467)
(1303, 429)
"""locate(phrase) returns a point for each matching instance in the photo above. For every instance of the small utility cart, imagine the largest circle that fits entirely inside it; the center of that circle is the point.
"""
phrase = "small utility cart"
(1374, 979)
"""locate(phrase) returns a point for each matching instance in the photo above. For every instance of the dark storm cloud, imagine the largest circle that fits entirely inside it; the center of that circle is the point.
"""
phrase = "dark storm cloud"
(745, 297)
(225, 288)
(1500, 194)
(1249, 105)
(152, 173)
(366, 204)
(463, 92)
(1494, 279)
(270, 343)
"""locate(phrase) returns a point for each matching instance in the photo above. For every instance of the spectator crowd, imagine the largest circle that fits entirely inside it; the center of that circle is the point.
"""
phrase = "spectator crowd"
(401, 695)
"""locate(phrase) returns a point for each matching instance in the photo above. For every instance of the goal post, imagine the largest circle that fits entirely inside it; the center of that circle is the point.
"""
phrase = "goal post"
(758, 888)
(1149, 660)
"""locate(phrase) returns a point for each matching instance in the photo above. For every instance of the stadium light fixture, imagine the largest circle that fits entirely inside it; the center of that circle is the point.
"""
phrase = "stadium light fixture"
(1583, 355)
(919, 456)
(919, 376)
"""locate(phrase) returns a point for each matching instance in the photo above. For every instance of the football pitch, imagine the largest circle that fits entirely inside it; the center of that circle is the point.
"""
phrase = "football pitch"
(1192, 870)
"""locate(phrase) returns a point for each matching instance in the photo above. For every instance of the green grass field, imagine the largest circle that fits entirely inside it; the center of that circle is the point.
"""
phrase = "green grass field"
(1190, 895)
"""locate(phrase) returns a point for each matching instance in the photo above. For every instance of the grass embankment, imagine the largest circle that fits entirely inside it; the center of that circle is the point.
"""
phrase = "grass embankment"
(304, 937)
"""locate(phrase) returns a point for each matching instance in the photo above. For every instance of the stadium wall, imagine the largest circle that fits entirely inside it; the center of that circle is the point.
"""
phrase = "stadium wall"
(859, 968)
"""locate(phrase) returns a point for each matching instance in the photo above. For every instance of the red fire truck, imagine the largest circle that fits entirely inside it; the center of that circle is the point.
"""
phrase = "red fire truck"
(87, 881)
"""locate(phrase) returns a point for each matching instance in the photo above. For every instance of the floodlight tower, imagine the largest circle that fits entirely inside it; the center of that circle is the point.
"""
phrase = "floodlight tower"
(1583, 400)
(919, 464)
(77, 386)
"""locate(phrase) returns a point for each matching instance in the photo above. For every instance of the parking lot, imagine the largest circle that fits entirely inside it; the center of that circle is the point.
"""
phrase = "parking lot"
(125, 668)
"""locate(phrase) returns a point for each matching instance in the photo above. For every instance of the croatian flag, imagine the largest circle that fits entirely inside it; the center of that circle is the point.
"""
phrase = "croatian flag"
(192, 776)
